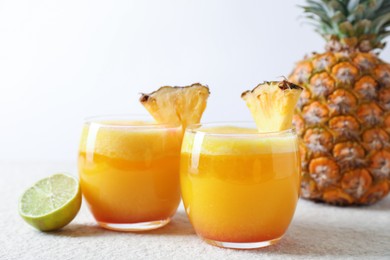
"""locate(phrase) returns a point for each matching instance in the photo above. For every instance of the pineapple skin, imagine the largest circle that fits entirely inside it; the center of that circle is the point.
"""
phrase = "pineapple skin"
(343, 120)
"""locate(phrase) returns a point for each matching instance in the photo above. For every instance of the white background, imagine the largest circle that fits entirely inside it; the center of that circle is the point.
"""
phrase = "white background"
(61, 61)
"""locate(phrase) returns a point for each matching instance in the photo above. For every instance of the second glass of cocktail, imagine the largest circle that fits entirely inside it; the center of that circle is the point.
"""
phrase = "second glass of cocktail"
(239, 187)
(129, 171)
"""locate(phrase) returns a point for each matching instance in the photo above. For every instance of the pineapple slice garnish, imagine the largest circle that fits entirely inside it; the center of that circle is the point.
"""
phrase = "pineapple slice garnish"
(272, 104)
(177, 105)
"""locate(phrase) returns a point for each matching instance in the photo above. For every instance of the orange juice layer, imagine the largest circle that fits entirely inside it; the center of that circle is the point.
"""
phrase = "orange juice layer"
(240, 189)
(130, 175)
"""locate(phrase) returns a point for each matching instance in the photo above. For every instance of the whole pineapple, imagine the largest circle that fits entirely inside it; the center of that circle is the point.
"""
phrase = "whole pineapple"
(343, 115)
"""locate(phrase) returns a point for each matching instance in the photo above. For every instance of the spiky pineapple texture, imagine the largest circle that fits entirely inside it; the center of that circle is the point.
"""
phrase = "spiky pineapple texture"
(350, 24)
(343, 115)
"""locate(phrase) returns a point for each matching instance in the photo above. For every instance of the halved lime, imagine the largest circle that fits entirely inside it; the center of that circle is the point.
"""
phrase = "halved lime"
(51, 203)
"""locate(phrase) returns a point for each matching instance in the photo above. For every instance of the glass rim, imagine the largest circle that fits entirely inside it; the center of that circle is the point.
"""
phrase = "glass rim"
(104, 121)
(197, 128)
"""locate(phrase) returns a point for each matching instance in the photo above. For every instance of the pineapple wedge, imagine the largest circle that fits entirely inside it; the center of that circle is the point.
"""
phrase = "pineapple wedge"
(177, 105)
(272, 104)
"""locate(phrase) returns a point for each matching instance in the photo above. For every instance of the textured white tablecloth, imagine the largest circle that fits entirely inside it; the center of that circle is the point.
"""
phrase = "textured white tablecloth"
(317, 231)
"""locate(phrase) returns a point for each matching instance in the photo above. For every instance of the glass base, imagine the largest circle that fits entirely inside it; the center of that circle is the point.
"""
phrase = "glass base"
(141, 226)
(242, 245)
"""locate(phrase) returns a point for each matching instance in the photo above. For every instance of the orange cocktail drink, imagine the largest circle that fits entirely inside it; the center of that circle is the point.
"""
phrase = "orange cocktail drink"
(129, 172)
(239, 188)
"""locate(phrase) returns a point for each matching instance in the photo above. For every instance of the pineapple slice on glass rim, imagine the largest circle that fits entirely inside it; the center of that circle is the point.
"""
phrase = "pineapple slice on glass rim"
(272, 104)
(177, 105)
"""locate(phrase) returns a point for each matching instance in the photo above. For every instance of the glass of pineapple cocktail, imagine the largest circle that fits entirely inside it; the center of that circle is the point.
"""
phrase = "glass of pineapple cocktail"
(129, 171)
(129, 167)
(239, 187)
(240, 181)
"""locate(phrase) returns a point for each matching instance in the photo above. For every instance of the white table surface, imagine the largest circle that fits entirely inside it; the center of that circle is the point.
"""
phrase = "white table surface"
(318, 231)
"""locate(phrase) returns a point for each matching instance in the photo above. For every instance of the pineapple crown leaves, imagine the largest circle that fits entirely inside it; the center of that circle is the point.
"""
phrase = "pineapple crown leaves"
(350, 24)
